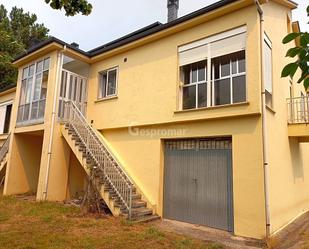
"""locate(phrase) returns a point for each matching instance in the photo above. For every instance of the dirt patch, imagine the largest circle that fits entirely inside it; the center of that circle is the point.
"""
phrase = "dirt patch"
(209, 234)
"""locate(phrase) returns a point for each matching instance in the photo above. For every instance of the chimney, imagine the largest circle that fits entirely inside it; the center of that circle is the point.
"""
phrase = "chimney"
(172, 7)
(74, 44)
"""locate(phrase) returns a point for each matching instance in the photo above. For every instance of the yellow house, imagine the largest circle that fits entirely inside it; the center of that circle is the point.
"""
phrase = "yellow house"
(187, 120)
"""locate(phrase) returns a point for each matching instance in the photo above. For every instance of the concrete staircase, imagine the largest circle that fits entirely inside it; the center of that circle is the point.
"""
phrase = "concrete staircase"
(114, 185)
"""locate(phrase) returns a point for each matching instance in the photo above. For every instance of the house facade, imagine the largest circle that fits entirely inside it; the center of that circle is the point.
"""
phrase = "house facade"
(187, 120)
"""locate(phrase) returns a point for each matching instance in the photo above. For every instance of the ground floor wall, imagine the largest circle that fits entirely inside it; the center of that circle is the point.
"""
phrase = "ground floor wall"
(288, 173)
(140, 149)
(24, 158)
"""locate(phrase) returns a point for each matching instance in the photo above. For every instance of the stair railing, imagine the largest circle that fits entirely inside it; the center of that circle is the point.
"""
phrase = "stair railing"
(5, 148)
(104, 159)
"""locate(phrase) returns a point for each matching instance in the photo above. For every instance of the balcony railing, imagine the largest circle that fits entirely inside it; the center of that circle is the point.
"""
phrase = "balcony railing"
(31, 113)
(298, 110)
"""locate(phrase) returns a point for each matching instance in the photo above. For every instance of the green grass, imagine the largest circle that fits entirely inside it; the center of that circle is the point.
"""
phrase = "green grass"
(45, 225)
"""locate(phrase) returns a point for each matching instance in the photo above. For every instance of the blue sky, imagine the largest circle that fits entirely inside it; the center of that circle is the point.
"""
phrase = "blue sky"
(112, 19)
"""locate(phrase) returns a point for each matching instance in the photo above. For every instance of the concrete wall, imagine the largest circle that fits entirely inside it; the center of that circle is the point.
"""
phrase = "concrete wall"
(142, 155)
(77, 179)
(288, 159)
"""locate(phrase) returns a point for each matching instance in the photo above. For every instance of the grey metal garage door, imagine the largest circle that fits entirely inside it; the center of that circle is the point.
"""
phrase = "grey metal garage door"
(198, 182)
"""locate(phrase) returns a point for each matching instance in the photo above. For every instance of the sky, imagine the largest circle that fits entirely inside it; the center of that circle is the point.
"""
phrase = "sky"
(111, 19)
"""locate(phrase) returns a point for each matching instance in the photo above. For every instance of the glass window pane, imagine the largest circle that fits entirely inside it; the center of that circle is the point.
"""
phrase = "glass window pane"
(46, 64)
(44, 85)
(34, 110)
(41, 108)
(201, 71)
(28, 91)
(239, 89)
(25, 73)
(26, 112)
(31, 70)
(39, 67)
(186, 74)
(225, 66)
(234, 66)
(111, 86)
(202, 95)
(216, 68)
(241, 62)
(222, 92)
(103, 83)
(189, 97)
(23, 92)
(194, 73)
(37, 87)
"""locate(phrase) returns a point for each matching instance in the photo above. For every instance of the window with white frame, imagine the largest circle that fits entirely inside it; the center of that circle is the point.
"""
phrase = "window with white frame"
(213, 70)
(33, 92)
(108, 83)
(5, 117)
(268, 71)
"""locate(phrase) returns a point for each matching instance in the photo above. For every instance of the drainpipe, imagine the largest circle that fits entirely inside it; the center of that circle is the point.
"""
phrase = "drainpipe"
(58, 73)
(264, 123)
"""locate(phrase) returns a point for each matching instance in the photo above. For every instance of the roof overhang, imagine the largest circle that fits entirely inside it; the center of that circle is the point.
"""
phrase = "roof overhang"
(288, 3)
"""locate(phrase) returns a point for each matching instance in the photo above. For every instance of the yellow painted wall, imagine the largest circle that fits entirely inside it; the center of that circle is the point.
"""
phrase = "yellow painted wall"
(142, 156)
(288, 159)
(148, 82)
(77, 179)
(26, 156)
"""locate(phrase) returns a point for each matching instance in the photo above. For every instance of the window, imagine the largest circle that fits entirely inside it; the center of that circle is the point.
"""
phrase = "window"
(33, 92)
(268, 72)
(108, 83)
(194, 89)
(213, 71)
(5, 117)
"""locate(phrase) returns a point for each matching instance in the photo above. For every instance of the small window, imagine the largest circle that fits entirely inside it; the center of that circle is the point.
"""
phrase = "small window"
(108, 83)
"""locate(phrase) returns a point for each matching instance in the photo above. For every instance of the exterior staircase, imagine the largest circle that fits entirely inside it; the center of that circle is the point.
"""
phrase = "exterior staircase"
(3, 152)
(104, 170)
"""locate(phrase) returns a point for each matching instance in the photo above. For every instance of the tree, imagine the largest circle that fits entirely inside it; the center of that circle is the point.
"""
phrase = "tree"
(71, 7)
(300, 52)
(18, 32)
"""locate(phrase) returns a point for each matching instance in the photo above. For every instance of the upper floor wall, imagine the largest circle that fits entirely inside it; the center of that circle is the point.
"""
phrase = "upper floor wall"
(149, 78)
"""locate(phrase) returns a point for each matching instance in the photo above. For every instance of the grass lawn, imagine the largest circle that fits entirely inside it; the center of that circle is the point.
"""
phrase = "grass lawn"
(34, 225)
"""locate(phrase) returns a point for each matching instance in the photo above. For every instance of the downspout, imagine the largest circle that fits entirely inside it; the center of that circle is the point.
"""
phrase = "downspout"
(264, 123)
(49, 153)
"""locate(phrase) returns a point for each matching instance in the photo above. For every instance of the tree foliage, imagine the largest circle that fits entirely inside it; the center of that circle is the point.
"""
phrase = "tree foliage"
(18, 32)
(300, 54)
(71, 7)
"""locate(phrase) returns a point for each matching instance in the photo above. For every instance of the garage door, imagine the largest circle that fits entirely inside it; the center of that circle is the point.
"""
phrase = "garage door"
(198, 182)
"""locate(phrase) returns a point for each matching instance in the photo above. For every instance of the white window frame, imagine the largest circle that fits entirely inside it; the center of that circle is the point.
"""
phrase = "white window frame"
(6, 103)
(100, 85)
(231, 76)
(267, 42)
(197, 83)
(211, 82)
(31, 100)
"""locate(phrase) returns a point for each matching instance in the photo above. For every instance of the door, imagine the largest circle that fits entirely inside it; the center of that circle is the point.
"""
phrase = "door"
(198, 182)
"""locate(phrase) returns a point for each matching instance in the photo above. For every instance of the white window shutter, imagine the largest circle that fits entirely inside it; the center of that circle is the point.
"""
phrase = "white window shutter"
(193, 55)
(228, 45)
(268, 78)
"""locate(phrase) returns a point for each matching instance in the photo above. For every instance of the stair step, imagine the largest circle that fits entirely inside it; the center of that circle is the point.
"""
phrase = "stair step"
(138, 212)
(146, 218)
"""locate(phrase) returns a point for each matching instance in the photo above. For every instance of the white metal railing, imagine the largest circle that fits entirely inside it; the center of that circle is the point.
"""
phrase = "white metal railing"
(298, 110)
(104, 159)
(5, 148)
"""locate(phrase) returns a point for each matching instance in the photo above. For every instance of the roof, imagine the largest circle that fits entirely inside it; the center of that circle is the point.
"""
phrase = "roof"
(136, 35)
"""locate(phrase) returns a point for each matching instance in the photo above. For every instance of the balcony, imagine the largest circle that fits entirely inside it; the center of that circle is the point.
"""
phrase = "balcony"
(298, 118)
